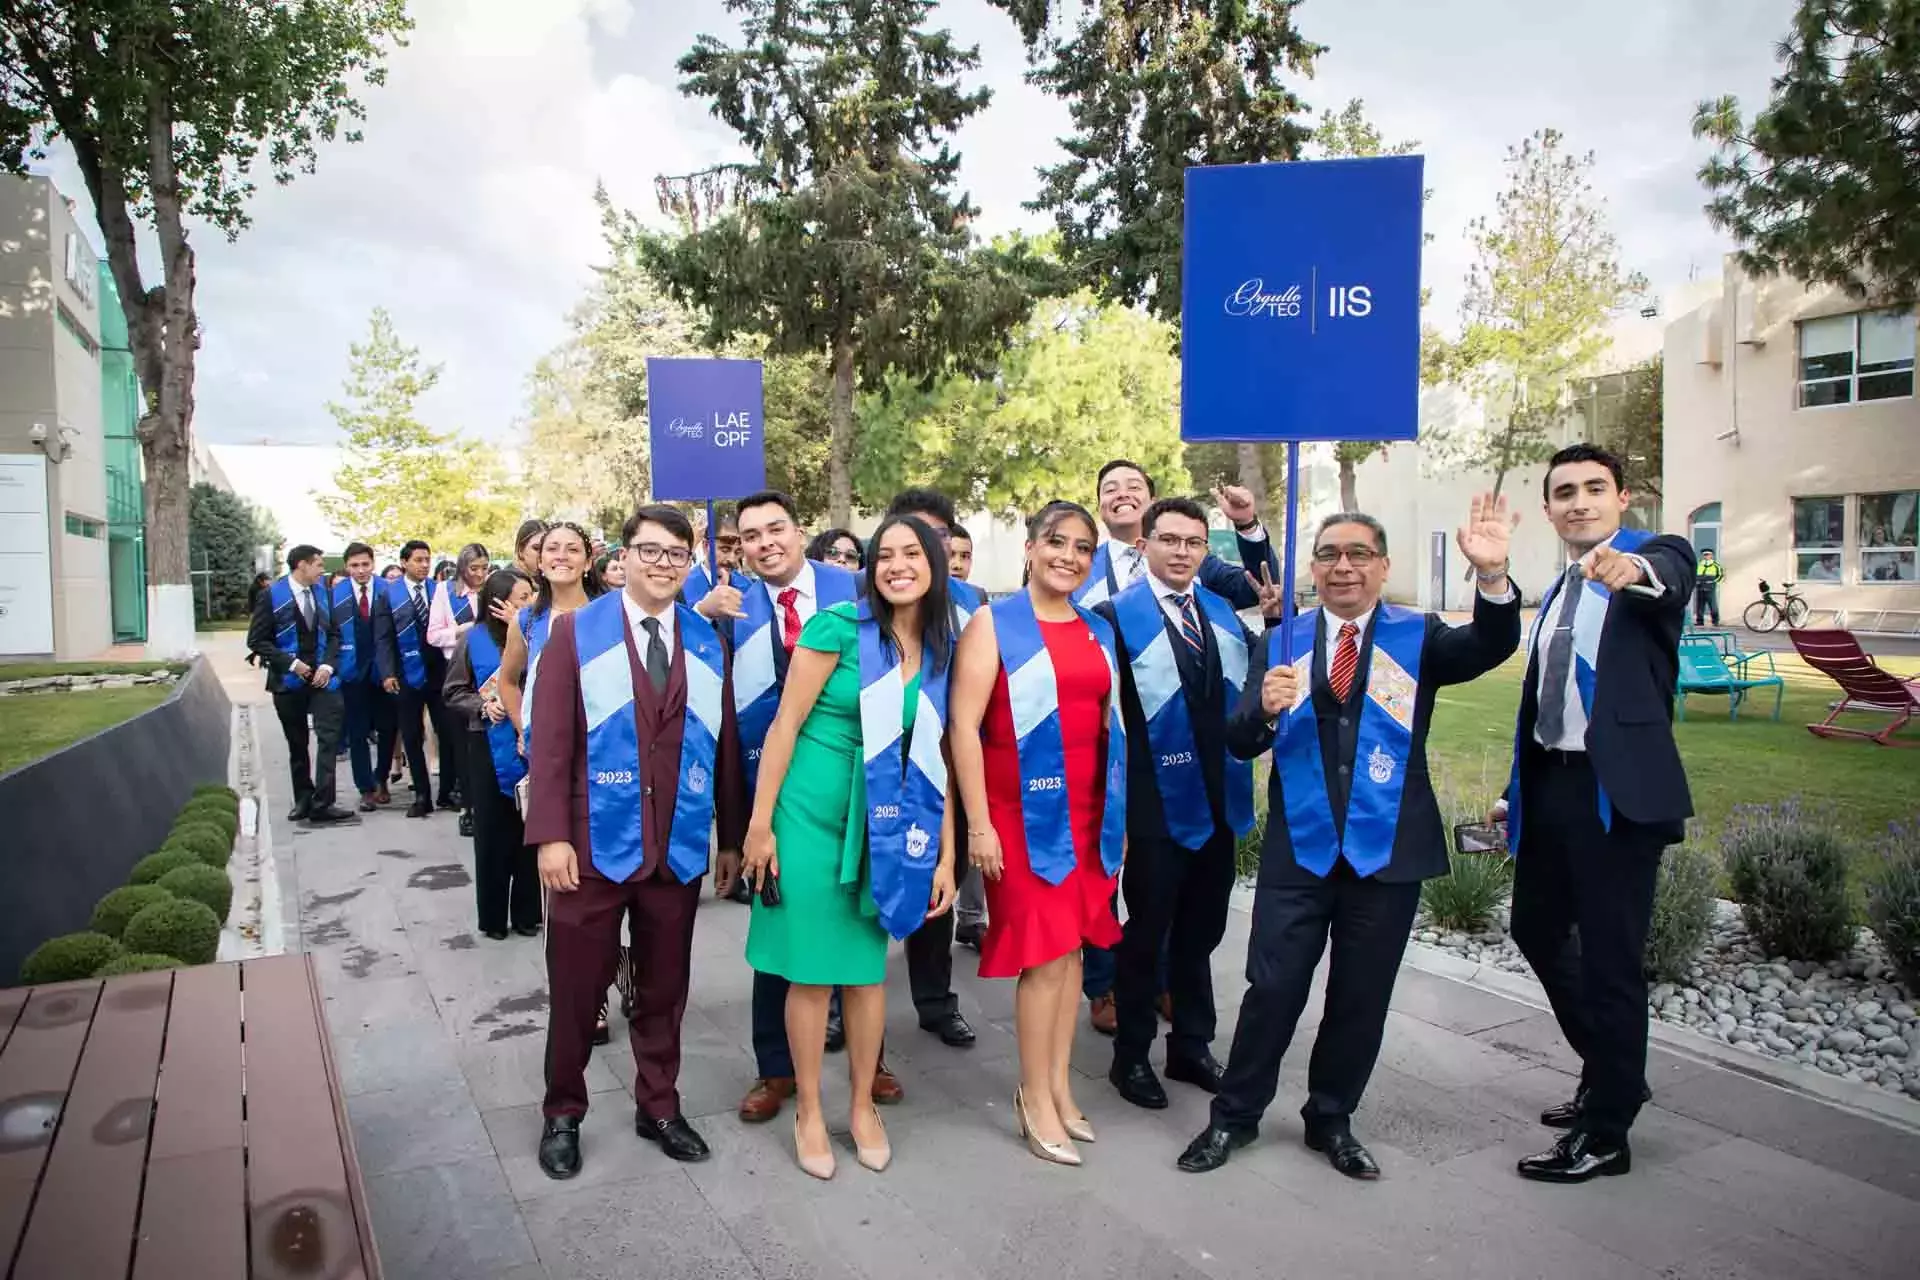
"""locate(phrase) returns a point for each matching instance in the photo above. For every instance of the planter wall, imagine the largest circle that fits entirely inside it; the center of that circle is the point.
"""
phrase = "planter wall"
(77, 820)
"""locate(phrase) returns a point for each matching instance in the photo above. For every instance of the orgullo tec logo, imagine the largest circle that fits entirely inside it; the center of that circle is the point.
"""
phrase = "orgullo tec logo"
(685, 430)
(1252, 299)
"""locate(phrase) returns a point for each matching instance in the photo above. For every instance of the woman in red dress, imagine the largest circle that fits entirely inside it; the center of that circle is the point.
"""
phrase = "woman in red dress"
(1049, 888)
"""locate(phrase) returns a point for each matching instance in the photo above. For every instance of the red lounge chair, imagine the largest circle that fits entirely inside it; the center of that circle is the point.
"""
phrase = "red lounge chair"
(1865, 686)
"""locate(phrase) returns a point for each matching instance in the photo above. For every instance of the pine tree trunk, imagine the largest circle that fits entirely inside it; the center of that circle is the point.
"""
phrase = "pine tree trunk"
(840, 446)
(1349, 487)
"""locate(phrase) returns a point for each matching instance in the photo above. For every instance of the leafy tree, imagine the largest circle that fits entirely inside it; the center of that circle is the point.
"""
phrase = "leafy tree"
(172, 109)
(225, 534)
(1820, 185)
(1546, 275)
(847, 242)
(400, 479)
(1622, 411)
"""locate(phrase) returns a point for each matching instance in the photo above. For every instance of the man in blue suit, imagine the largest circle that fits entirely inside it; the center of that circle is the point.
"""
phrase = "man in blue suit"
(369, 709)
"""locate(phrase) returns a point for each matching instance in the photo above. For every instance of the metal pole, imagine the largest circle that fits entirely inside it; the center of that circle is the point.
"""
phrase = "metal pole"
(713, 561)
(1287, 563)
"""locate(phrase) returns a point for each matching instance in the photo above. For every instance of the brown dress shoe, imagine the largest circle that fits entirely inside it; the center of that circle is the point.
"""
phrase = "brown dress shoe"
(886, 1087)
(1106, 1020)
(762, 1102)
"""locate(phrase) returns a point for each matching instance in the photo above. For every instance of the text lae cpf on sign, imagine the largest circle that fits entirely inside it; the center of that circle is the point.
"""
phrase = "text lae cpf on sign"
(705, 425)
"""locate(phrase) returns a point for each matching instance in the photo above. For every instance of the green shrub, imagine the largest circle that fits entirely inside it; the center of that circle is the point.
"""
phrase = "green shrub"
(1465, 899)
(181, 928)
(1682, 910)
(198, 812)
(1246, 854)
(201, 884)
(210, 843)
(136, 962)
(218, 790)
(1893, 901)
(150, 868)
(1787, 867)
(67, 958)
(111, 913)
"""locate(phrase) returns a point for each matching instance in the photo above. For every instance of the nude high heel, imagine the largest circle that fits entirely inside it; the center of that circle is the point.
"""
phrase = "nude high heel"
(1080, 1129)
(1051, 1152)
(875, 1158)
(820, 1167)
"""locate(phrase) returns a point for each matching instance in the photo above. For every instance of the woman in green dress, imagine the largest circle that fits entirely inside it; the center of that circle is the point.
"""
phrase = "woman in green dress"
(850, 822)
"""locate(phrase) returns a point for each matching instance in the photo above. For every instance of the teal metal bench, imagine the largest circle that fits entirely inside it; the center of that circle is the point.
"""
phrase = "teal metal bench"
(1704, 668)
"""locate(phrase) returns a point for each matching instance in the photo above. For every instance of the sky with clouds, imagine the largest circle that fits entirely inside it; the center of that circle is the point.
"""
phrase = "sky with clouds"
(467, 212)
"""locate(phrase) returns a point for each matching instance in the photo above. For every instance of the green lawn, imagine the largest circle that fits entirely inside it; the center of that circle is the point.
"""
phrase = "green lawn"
(222, 624)
(37, 670)
(1748, 761)
(37, 724)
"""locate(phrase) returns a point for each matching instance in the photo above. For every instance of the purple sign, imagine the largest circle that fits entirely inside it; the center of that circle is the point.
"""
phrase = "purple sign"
(706, 429)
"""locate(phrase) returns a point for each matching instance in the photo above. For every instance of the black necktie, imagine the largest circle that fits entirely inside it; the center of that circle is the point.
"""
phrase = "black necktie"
(656, 654)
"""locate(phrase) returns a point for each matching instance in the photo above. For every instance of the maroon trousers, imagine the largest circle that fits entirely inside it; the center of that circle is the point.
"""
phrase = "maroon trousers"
(583, 946)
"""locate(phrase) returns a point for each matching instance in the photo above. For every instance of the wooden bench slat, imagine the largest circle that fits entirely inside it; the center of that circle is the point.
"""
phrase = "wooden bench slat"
(84, 1217)
(201, 1078)
(356, 1189)
(36, 1071)
(193, 1221)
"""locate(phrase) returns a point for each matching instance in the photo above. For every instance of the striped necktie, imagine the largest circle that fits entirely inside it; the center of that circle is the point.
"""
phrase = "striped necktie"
(1189, 624)
(1346, 659)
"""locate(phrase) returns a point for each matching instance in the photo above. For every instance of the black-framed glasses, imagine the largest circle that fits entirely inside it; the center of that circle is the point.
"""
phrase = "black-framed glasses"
(843, 555)
(1173, 542)
(654, 553)
(1358, 557)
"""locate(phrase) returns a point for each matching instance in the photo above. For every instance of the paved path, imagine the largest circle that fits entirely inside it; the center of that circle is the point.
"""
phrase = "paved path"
(439, 1036)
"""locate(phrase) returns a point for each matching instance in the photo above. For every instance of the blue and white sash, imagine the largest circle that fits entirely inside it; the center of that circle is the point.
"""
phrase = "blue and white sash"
(756, 671)
(1100, 585)
(345, 613)
(1034, 694)
(1381, 749)
(906, 779)
(286, 630)
(967, 601)
(409, 629)
(1588, 623)
(462, 609)
(508, 765)
(534, 629)
(614, 788)
(1178, 773)
(699, 583)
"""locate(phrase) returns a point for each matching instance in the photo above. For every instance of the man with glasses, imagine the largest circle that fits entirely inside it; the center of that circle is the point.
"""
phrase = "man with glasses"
(1352, 824)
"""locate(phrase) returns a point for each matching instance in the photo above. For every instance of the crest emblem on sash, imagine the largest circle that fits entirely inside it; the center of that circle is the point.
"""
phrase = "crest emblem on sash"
(1380, 766)
(917, 840)
(697, 780)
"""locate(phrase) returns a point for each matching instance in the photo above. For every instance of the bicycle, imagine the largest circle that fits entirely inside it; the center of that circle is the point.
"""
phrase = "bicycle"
(1771, 609)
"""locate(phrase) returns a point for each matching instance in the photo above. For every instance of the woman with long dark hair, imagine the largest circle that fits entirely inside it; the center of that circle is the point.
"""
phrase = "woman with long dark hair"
(859, 846)
(506, 885)
(1040, 761)
(838, 547)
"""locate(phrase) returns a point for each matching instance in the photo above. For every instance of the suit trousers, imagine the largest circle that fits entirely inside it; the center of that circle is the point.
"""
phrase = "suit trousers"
(451, 735)
(1582, 905)
(1176, 899)
(369, 715)
(583, 950)
(415, 707)
(1293, 921)
(312, 776)
(506, 880)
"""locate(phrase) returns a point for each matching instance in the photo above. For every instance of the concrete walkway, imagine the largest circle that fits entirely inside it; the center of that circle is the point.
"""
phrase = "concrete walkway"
(439, 1033)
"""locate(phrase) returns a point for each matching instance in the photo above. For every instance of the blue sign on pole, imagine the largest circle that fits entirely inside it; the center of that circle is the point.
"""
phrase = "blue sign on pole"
(706, 429)
(1300, 306)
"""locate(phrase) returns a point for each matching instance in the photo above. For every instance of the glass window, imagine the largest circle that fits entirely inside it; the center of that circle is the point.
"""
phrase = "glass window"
(1867, 355)
(1889, 532)
(1819, 532)
(1703, 529)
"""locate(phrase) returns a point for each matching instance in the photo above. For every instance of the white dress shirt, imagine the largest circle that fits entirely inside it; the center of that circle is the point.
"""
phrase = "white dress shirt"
(637, 614)
(1128, 562)
(303, 600)
(1573, 724)
(1165, 594)
(806, 603)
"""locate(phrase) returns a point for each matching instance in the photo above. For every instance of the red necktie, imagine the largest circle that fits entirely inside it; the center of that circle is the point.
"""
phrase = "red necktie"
(1346, 657)
(789, 618)
(363, 604)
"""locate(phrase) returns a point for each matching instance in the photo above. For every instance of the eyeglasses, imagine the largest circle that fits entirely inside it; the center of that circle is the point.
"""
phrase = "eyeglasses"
(842, 555)
(654, 553)
(1358, 557)
(1173, 542)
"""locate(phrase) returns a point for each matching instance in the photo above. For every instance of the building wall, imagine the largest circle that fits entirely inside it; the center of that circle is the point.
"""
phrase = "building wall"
(1736, 436)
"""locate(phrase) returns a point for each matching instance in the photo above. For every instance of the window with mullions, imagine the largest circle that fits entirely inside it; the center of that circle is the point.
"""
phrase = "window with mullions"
(1889, 532)
(1819, 536)
(1867, 355)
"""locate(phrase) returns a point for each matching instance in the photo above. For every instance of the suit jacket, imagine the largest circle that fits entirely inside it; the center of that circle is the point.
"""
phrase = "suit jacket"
(386, 643)
(1448, 655)
(557, 756)
(263, 640)
(1630, 733)
(363, 634)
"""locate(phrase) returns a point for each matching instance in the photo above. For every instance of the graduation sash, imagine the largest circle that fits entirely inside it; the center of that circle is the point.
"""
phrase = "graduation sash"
(614, 789)
(286, 630)
(699, 583)
(967, 601)
(462, 609)
(508, 765)
(906, 779)
(1100, 585)
(1381, 749)
(756, 673)
(534, 629)
(1178, 773)
(1588, 623)
(409, 627)
(1033, 692)
(345, 611)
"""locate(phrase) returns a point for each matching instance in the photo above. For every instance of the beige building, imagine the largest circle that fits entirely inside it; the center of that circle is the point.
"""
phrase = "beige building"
(1792, 447)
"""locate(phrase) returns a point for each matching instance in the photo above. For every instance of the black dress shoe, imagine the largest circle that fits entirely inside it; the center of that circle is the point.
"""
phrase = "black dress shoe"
(836, 1032)
(498, 935)
(1344, 1153)
(1567, 1114)
(327, 814)
(1138, 1085)
(527, 930)
(969, 935)
(560, 1147)
(1578, 1157)
(675, 1136)
(466, 822)
(420, 808)
(953, 1030)
(1203, 1072)
(299, 811)
(1211, 1149)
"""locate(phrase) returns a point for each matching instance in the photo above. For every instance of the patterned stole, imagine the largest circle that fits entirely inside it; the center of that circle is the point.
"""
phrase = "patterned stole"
(409, 627)
(756, 668)
(345, 612)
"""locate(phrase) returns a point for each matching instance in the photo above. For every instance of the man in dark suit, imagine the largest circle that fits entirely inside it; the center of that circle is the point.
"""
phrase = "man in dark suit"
(631, 776)
(1352, 823)
(292, 637)
(1184, 655)
(369, 708)
(411, 669)
(1599, 782)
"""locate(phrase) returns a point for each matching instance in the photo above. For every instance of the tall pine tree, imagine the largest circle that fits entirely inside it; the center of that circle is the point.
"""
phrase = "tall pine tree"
(846, 238)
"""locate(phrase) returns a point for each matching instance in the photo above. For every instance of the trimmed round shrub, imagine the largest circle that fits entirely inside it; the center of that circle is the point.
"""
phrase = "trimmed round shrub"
(212, 845)
(136, 962)
(111, 913)
(1682, 910)
(218, 815)
(1787, 868)
(68, 958)
(181, 928)
(1893, 901)
(150, 868)
(201, 884)
(218, 790)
